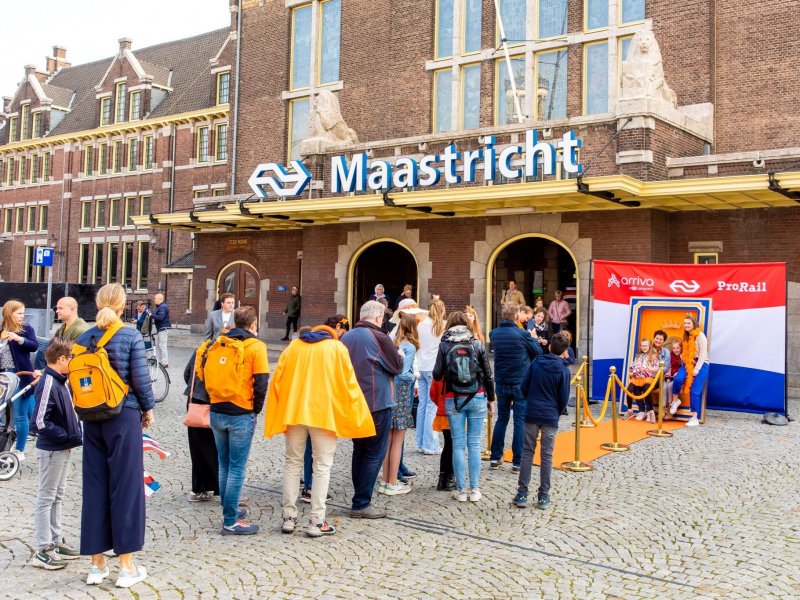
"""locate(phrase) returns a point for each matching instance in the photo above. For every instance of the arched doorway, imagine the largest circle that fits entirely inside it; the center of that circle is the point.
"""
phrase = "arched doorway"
(382, 261)
(240, 278)
(539, 265)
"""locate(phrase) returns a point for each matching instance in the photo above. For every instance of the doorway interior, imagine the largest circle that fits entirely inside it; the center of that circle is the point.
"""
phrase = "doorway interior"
(385, 262)
(240, 279)
(539, 266)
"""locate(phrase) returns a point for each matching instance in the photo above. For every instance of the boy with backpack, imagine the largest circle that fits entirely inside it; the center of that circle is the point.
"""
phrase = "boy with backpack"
(59, 431)
(235, 372)
(546, 389)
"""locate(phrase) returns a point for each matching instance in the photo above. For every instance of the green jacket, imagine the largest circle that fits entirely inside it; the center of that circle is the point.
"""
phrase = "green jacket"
(293, 306)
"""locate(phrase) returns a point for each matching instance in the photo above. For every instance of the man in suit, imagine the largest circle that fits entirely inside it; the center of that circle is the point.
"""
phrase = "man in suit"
(221, 321)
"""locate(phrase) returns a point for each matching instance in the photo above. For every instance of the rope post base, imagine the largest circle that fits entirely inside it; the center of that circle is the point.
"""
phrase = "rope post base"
(614, 446)
(576, 465)
(660, 431)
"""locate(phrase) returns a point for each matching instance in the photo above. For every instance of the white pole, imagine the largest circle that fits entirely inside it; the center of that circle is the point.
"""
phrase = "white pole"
(517, 106)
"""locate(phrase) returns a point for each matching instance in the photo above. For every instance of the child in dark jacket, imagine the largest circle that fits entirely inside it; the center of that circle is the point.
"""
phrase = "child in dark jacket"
(59, 430)
(546, 388)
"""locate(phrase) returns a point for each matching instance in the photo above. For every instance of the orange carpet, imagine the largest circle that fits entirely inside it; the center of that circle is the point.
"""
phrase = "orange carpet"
(591, 438)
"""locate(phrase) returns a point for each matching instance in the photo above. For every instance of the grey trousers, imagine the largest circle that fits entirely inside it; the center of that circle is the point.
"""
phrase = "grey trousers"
(53, 469)
(160, 341)
(529, 449)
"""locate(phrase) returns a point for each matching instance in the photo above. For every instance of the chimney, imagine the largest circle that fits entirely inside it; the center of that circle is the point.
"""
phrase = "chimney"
(58, 61)
(29, 70)
(125, 44)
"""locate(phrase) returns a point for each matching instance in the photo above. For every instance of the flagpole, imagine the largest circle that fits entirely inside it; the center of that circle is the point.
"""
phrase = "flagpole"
(504, 42)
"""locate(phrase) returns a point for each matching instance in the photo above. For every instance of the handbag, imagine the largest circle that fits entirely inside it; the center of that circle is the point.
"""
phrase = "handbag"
(197, 415)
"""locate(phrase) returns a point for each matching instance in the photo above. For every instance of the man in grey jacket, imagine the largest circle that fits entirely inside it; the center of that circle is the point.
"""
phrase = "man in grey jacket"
(221, 321)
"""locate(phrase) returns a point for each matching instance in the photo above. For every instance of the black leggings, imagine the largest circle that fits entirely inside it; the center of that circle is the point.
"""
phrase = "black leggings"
(646, 403)
(446, 457)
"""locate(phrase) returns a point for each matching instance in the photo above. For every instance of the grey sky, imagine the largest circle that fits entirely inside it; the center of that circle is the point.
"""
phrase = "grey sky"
(89, 29)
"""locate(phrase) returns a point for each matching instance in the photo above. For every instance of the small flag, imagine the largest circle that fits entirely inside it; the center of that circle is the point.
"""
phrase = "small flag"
(151, 486)
(149, 444)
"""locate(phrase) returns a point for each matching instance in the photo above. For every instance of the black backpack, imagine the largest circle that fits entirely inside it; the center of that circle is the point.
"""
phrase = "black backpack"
(462, 372)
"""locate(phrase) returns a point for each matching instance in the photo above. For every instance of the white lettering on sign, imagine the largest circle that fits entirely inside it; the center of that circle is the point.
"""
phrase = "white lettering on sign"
(748, 287)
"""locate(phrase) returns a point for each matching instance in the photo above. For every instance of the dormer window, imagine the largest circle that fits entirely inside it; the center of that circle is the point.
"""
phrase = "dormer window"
(120, 96)
(136, 106)
(12, 129)
(36, 129)
(223, 87)
(105, 112)
(25, 118)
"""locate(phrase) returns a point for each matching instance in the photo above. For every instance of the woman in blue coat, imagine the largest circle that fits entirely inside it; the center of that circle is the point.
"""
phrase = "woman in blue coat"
(113, 512)
(17, 341)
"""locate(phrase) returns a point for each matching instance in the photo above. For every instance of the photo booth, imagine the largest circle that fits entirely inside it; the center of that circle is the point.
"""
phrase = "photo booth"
(741, 308)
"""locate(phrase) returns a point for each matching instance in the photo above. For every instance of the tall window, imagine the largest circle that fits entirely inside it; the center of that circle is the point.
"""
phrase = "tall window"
(514, 13)
(117, 159)
(595, 60)
(131, 209)
(10, 172)
(148, 152)
(105, 111)
(86, 214)
(97, 264)
(113, 262)
(43, 210)
(221, 142)
(472, 26)
(443, 100)
(31, 219)
(133, 154)
(47, 166)
(223, 87)
(114, 212)
(21, 170)
(88, 156)
(25, 122)
(19, 225)
(445, 11)
(119, 102)
(552, 18)
(8, 220)
(315, 61)
(83, 263)
(551, 85)
(144, 263)
(36, 128)
(448, 31)
(470, 96)
(100, 215)
(127, 264)
(144, 205)
(506, 106)
(632, 11)
(595, 14)
(102, 158)
(32, 273)
(12, 129)
(202, 144)
(34, 168)
(136, 106)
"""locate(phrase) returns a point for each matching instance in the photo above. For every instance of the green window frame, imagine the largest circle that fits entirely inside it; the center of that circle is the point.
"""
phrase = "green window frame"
(120, 96)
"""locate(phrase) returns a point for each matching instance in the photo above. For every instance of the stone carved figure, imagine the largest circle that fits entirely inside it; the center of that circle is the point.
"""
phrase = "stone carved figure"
(643, 70)
(326, 126)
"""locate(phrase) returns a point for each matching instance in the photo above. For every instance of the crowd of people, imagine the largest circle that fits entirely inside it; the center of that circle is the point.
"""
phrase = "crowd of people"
(332, 382)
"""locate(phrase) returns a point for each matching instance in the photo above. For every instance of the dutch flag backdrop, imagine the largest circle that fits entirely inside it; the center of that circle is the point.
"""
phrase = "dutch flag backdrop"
(747, 337)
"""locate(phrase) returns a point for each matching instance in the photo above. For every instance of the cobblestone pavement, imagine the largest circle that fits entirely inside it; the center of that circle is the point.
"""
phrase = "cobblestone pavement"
(712, 513)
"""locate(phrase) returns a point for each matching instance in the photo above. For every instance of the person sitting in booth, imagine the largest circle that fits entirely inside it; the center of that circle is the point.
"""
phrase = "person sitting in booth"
(640, 376)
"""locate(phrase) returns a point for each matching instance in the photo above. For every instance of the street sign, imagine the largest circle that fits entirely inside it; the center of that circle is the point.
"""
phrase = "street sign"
(43, 257)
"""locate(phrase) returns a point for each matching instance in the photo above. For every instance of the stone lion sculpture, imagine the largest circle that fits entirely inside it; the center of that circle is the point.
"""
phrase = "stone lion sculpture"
(326, 126)
(643, 70)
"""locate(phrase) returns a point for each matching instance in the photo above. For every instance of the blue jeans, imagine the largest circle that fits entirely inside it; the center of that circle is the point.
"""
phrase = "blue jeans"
(465, 429)
(368, 456)
(426, 411)
(509, 397)
(23, 411)
(233, 435)
(696, 391)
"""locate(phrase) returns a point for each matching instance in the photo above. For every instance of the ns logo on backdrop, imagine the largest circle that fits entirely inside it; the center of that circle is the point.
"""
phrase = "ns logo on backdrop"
(361, 174)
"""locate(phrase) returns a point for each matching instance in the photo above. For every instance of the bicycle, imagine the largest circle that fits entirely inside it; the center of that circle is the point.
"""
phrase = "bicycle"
(159, 378)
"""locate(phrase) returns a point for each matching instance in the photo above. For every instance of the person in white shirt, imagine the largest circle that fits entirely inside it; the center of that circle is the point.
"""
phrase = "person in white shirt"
(430, 333)
(221, 321)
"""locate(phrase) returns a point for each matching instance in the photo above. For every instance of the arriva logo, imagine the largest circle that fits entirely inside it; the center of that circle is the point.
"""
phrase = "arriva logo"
(633, 283)
(748, 287)
(613, 280)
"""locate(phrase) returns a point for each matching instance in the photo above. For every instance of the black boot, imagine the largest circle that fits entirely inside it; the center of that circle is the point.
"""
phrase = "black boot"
(447, 482)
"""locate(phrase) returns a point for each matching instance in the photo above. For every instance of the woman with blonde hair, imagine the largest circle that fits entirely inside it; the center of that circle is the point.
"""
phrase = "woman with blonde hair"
(474, 323)
(17, 341)
(430, 332)
(113, 512)
(693, 374)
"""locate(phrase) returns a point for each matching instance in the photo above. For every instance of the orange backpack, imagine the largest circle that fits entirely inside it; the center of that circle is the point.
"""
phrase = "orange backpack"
(219, 364)
(98, 392)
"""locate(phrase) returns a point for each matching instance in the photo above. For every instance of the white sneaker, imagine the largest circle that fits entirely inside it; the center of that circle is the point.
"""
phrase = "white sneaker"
(693, 422)
(475, 495)
(641, 415)
(19, 454)
(126, 580)
(382, 487)
(396, 489)
(96, 575)
(673, 408)
(460, 495)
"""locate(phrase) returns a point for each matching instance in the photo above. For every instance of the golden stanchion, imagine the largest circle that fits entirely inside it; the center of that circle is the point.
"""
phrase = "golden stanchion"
(660, 431)
(614, 446)
(584, 390)
(487, 454)
(576, 465)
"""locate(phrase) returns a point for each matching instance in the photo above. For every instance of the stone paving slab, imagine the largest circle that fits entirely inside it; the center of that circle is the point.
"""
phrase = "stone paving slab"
(712, 513)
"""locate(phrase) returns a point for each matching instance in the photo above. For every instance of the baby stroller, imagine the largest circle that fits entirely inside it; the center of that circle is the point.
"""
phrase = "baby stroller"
(9, 463)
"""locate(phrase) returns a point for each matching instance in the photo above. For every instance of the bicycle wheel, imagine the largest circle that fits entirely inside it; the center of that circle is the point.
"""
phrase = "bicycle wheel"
(159, 379)
(9, 465)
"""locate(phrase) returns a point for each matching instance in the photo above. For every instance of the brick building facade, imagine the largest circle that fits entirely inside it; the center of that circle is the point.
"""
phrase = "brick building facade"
(665, 181)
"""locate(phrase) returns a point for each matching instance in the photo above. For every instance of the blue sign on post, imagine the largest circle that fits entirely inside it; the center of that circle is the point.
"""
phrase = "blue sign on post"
(43, 257)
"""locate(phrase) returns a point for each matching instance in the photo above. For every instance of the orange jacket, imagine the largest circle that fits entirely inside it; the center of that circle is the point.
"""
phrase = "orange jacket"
(314, 384)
